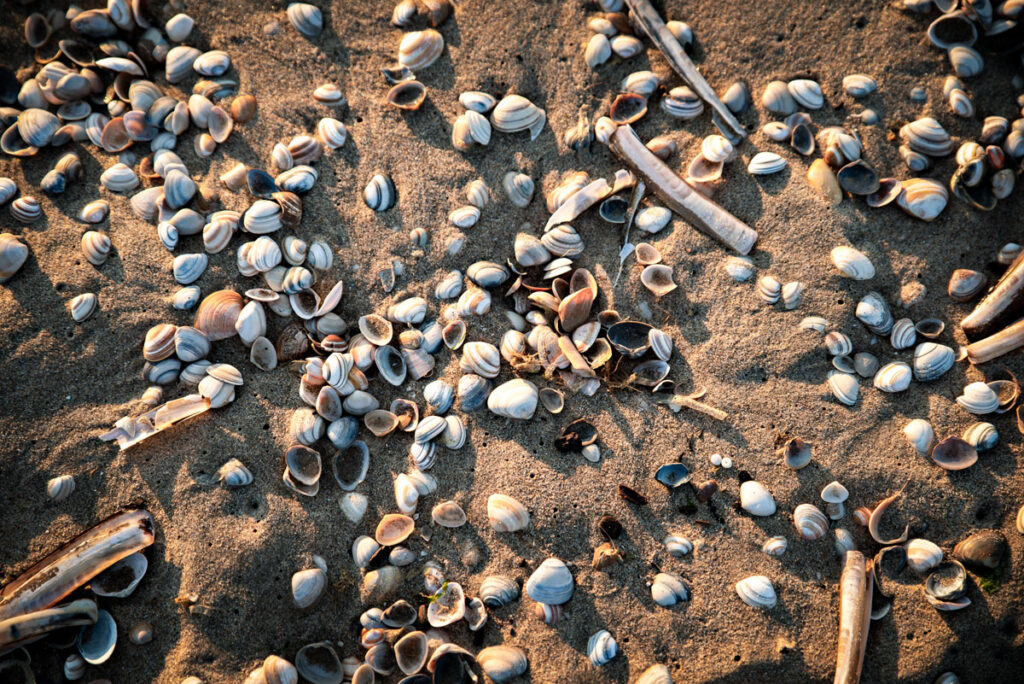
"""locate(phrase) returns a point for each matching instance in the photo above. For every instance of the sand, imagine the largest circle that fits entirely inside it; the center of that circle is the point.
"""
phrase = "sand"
(64, 384)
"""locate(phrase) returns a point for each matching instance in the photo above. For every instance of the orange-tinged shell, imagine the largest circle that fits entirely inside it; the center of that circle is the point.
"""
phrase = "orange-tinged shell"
(394, 528)
(217, 314)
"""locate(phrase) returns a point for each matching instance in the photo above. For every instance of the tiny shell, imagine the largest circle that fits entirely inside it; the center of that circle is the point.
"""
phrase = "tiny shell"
(83, 306)
(756, 499)
(775, 546)
(60, 488)
(307, 585)
(920, 434)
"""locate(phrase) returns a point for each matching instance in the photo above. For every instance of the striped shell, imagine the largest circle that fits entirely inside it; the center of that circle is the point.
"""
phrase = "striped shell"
(923, 198)
(515, 113)
(843, 387)
(551, 583)
(518, 188)
(853, 263)
(777, 99)
(978, 398)
(83, 306)
(807, 93)
(858, 85)
(96, 246)
(601, 648)
(420, 49)
(765, 163)
(893, 377)
(514, 399)
(810, 522)
(60, 488)
(306, 19)
(508, 515)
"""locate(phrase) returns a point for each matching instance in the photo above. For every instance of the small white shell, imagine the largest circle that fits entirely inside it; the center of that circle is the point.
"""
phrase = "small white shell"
(932, 360)
(502, 663)
(678, 547)
(598, 50)
(922, 555)
(652, 219)
(978, 398)
(981, 436)
(464, 217)
(739, 268)
(516, 398)
(119, 178)
(777, 99)
(852, 263)
(668, 589)
(234, 474)
(516, 113)
(756, 499)
(497, 591)
(769, 289)
(893, 377)
(757, 592)
(601, 648)
(765, 163)
(775, 546)
(353, 506)
(60, 488)
(920, 434)
(420, 49)
(83, 306)
(810, 522)
(858, 85)
(519, 188)
(807, 93)
(305, 18)
(903, 334)
(307, 585)
(507, 515)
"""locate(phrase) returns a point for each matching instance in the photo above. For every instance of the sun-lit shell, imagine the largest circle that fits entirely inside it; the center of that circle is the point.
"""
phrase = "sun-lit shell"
(306, 19)
(978, 398)
(420, 49)
(852, 263)
(927, 136)
(506, 514)
(843, 387)
(502, 663)
(380, 194)
(777, 99)
(966, 61)
(923, 555)
(668, 589)
(806, 93)
(765, 163)
(515, 113)
(658, 279)
(920, 434)
(551, 583)
(601, 648)
(893, 377)
(873, 311)
(394, 528)
(810, 522)
(775, 546)
(932, 360)
(481, 358)
(514, 399)
(981, 436)
(234, 474)
(518, 188)
(858, 85)
(756, 499)
(598, 50)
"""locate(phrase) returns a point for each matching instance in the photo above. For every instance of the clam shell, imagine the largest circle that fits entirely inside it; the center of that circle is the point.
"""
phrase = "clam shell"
(551, 583)
(927, 136)
(412, 310)
(843, 387)
(502, 663)
(810, 522)
(448, 514)
(119, 178)
(737, 97)
(903, 334)
(873, 311)
(775, 546)
(893, 377)
(472, 391)
(487, 274)
(96, 642)
(739, 268)
(682, 103)
(515, 113)
(26, 209)
(981, 436)
(765, 163)
(307, 586)
(678, 547)
(756, 499)
(83, 306)
(497, 591)
(218, 313)
(411, 652)
(178, 27)
(778, 99)
(306, 19)
(332, 133)
(922, 555)
(60, 488)
(394, 528)
(420, 49)
(806, 93)
(178, 63)
(448, 605)
(965, 284)
(514, 399)
(380, 194)
(920, 434)
(852, 263)
(858, 85)
(668, 589)
(212, 63)
(966, 61)
(439, 396)
(234, 474)
(189, 267)
(978, 398)
(508, 515)
(601, 648)
(518, 188)
(481, 358)
(353, 506)
(598, 50)
(319, 663)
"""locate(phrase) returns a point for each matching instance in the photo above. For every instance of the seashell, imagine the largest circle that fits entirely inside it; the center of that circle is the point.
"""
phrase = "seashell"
(119, 178)
(806, 93)
(769, 289)
(965, 284)
(678, 547)
(514, 399)
(1003, 182)
(810, 522)
(838, 344)
(658, 279)
(454, 435)
(381, 582)
(778, 99)
(508, 515)
(380, 194)
(412, 310)
(96, 642)
(757, 592)
(319, 663)
(874, 313)
(212, 63)
(472, 392)
(189, 267)
(502, 663)
(332, 133)
(439, 396)
(7, 190)
(487, 273)
(920, 434)
(739, 268)
(647, 254)
(765, 163)
(178, 27)
(893, 377)
(791, 294)
(598, 50)
(96, 246)
(359, 403)
(530, 251)
(515, 113)
(394, 528)
(982, 551)
(815, 323)
(234, 474)
(448, 605)
(420, 49)
(179, 61)
(927, 136)
(668, 589)
(448, 514)
(601, 648)
(682, 103)
(922, 555)
(715, 148)
(411, 652)
(307, 585)
(858, 85)
(352, 461)
(966, 61)
(305, 18)
(353, 506)
(737, 97)
(756, 499)
(775, 546)
(60, 488)
(519, 188)
(843, 387)
(903, 334)
(960, 103)
(562, 241)
(391, 365)
(981, 436)
(481, 358)
(978, 398)
(626, 46)
(777, 131)
(83, 306)
(497, 591)
(932, 360)
(852, 263)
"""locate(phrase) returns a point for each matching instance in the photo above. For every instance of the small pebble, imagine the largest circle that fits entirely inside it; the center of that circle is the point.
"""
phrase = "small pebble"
(716, 460)
(869, 117)
(918, 94)
(912, 293)
(726, 462)
(272, 29)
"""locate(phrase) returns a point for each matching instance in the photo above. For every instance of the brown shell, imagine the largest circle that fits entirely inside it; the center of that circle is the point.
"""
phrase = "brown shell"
(394, 528)
(217, 314)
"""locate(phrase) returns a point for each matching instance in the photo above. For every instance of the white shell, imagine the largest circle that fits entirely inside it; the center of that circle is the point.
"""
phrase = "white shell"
(189, 267)
(515, 113)
(893, 377)
(234, 474)
(439, 396)
(353, 506)
(178, 27)
(652, 219)
(598, 50)
(420, 49)
(498, 590)
(932, 360)
(810, 522)
(756, 499)
(920, 434)
(412, 310)
(601, 648)
(305, 18)
(60, 488)
(777, 99)
(507, 515)
(502, 663)
(668, 589)
(807, 93)
(739, 268)
(513, 399)
(119, 178)
(519, 188)
(757, 592)
(769, 289)
(858, 85)
(927, 136)
(363, 548)
(873, 311)
(380, 194)
(765, 163)
(481, 358)
(307, 585)
(791, 294)
(83, 306)
(716, 148)
(978, 398)
(981, 436)
(852, 263)
(477, 101)
(922, 555)
(640, 82)
(775, 546)
(903, 334)
(966, 61)
(464, 217)
(678, 547)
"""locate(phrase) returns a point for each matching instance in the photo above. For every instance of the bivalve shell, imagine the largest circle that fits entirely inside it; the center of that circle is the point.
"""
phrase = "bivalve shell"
(380, 194)
(420, 49)
(516, 113)
(668, 589)
(307, 586)
(518, 188)
(981, 436)
(920, 434)
(757, 592)
(756, 499)
(508, 515)
(807, 93)
(778, 99)
(601, 648)
(514, 399)
(932, 360)
(852, 263)
(765, 163)
(306, 19)
(978, 398)
(893, 377)
(810, 522)
(502, 663)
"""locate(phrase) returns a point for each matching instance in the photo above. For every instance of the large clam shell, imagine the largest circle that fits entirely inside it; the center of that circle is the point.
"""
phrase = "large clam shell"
(551, 583)
(810, 522)
(420, 49)
(502, 663)
(514, 399)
